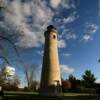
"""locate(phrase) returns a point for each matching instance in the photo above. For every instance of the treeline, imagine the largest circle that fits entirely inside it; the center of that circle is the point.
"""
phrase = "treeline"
(13, 82)
(10, 84)
(85, 85)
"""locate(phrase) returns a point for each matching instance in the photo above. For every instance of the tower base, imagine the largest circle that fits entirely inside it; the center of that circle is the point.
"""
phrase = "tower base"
(51, 91)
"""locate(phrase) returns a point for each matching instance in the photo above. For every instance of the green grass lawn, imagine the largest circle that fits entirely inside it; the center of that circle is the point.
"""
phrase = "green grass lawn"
(34, 96)
(80, 94)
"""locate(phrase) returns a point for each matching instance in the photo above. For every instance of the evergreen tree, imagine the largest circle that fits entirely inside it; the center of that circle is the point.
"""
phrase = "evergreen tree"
(88, 79)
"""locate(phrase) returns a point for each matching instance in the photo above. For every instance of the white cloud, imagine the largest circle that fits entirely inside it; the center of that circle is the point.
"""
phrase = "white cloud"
(89, 32)
(40, 52)
(67, 54)
(65, 69)
(61, 44)
(87, 37)
(55, 3)
(68, 35)
(91, 28)
(63, 3)
(28, 40)
(31, 33)
(30, 19)
(68, 4)
(69, 19)
(71, 36)
(64, 31)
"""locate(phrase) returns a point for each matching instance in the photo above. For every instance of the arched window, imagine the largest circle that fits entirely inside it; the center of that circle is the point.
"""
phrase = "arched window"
(54, 36)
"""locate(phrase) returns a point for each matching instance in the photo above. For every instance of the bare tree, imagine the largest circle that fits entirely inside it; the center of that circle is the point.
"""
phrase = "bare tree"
(7, 38)
(4, 57)
(29, 72)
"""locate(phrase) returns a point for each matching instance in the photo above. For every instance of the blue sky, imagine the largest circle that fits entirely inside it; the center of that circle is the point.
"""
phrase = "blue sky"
(77, 23)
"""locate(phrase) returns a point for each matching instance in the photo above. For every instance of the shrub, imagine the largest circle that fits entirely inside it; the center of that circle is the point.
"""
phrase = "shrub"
(66, 85)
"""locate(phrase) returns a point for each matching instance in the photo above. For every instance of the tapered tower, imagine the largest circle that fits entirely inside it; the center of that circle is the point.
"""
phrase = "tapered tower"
(50, 76)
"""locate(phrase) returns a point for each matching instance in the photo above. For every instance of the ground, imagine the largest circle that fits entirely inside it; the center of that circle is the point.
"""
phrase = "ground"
(35, 96)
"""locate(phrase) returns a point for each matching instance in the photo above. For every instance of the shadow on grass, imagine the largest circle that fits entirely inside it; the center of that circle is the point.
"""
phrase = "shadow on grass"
(37, 97)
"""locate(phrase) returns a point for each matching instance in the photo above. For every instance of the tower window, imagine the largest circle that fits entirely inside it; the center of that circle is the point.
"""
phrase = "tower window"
(54, 36)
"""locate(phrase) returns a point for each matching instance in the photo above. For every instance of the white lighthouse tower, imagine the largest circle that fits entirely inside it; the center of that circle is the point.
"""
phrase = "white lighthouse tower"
(50, 76)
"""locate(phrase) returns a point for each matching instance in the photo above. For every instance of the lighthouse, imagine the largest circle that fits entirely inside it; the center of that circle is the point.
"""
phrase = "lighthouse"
(50, 83)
